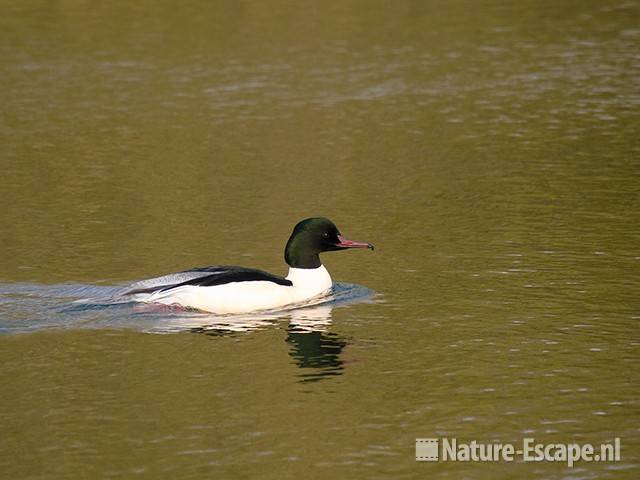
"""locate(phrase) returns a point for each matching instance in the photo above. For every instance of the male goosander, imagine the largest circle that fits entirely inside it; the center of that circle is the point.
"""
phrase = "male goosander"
(226, 289)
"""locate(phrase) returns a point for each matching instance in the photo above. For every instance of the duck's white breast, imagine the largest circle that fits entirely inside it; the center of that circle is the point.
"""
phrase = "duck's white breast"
(309, 282)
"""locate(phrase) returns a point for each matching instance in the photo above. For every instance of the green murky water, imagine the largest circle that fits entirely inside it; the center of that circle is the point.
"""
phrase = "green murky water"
(488, 149)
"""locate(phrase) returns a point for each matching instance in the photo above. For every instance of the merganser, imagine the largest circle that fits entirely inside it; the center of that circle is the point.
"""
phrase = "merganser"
(226, 289)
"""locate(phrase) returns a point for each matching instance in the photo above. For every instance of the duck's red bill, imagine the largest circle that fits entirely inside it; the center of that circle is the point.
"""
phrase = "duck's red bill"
(346, 243)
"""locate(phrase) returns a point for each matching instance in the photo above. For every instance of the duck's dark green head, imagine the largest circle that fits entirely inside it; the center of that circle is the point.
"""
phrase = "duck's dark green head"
(313, 236)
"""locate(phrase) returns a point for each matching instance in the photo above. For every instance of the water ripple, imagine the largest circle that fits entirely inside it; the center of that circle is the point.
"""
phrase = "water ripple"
(28, 307)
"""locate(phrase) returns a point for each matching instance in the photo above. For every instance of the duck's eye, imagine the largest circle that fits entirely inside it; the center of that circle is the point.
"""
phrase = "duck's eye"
(325, 235)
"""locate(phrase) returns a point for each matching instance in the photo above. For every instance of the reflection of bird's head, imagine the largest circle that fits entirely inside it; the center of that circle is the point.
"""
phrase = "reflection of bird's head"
(317, 350)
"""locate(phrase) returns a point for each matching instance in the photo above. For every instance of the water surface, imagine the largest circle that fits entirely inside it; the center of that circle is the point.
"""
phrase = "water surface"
(489, 150)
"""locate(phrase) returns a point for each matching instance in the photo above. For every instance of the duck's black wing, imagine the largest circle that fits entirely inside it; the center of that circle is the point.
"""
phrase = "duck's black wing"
(205, 277)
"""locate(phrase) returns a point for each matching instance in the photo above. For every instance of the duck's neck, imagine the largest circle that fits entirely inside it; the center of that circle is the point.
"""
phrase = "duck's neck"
(297, 254)
(302, 261)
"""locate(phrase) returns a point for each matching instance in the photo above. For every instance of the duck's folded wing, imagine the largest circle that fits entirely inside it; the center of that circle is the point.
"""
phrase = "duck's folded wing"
(204, 277)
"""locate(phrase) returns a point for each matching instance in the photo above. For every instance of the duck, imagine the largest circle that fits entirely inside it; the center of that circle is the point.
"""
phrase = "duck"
(227, 289)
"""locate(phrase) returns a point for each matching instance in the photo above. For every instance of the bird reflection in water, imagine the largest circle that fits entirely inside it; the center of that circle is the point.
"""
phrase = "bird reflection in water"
(312, 346)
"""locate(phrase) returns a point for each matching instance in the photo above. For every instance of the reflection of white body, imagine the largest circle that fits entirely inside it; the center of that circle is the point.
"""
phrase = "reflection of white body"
(246, 296)
(305, 319)
(311, 319)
